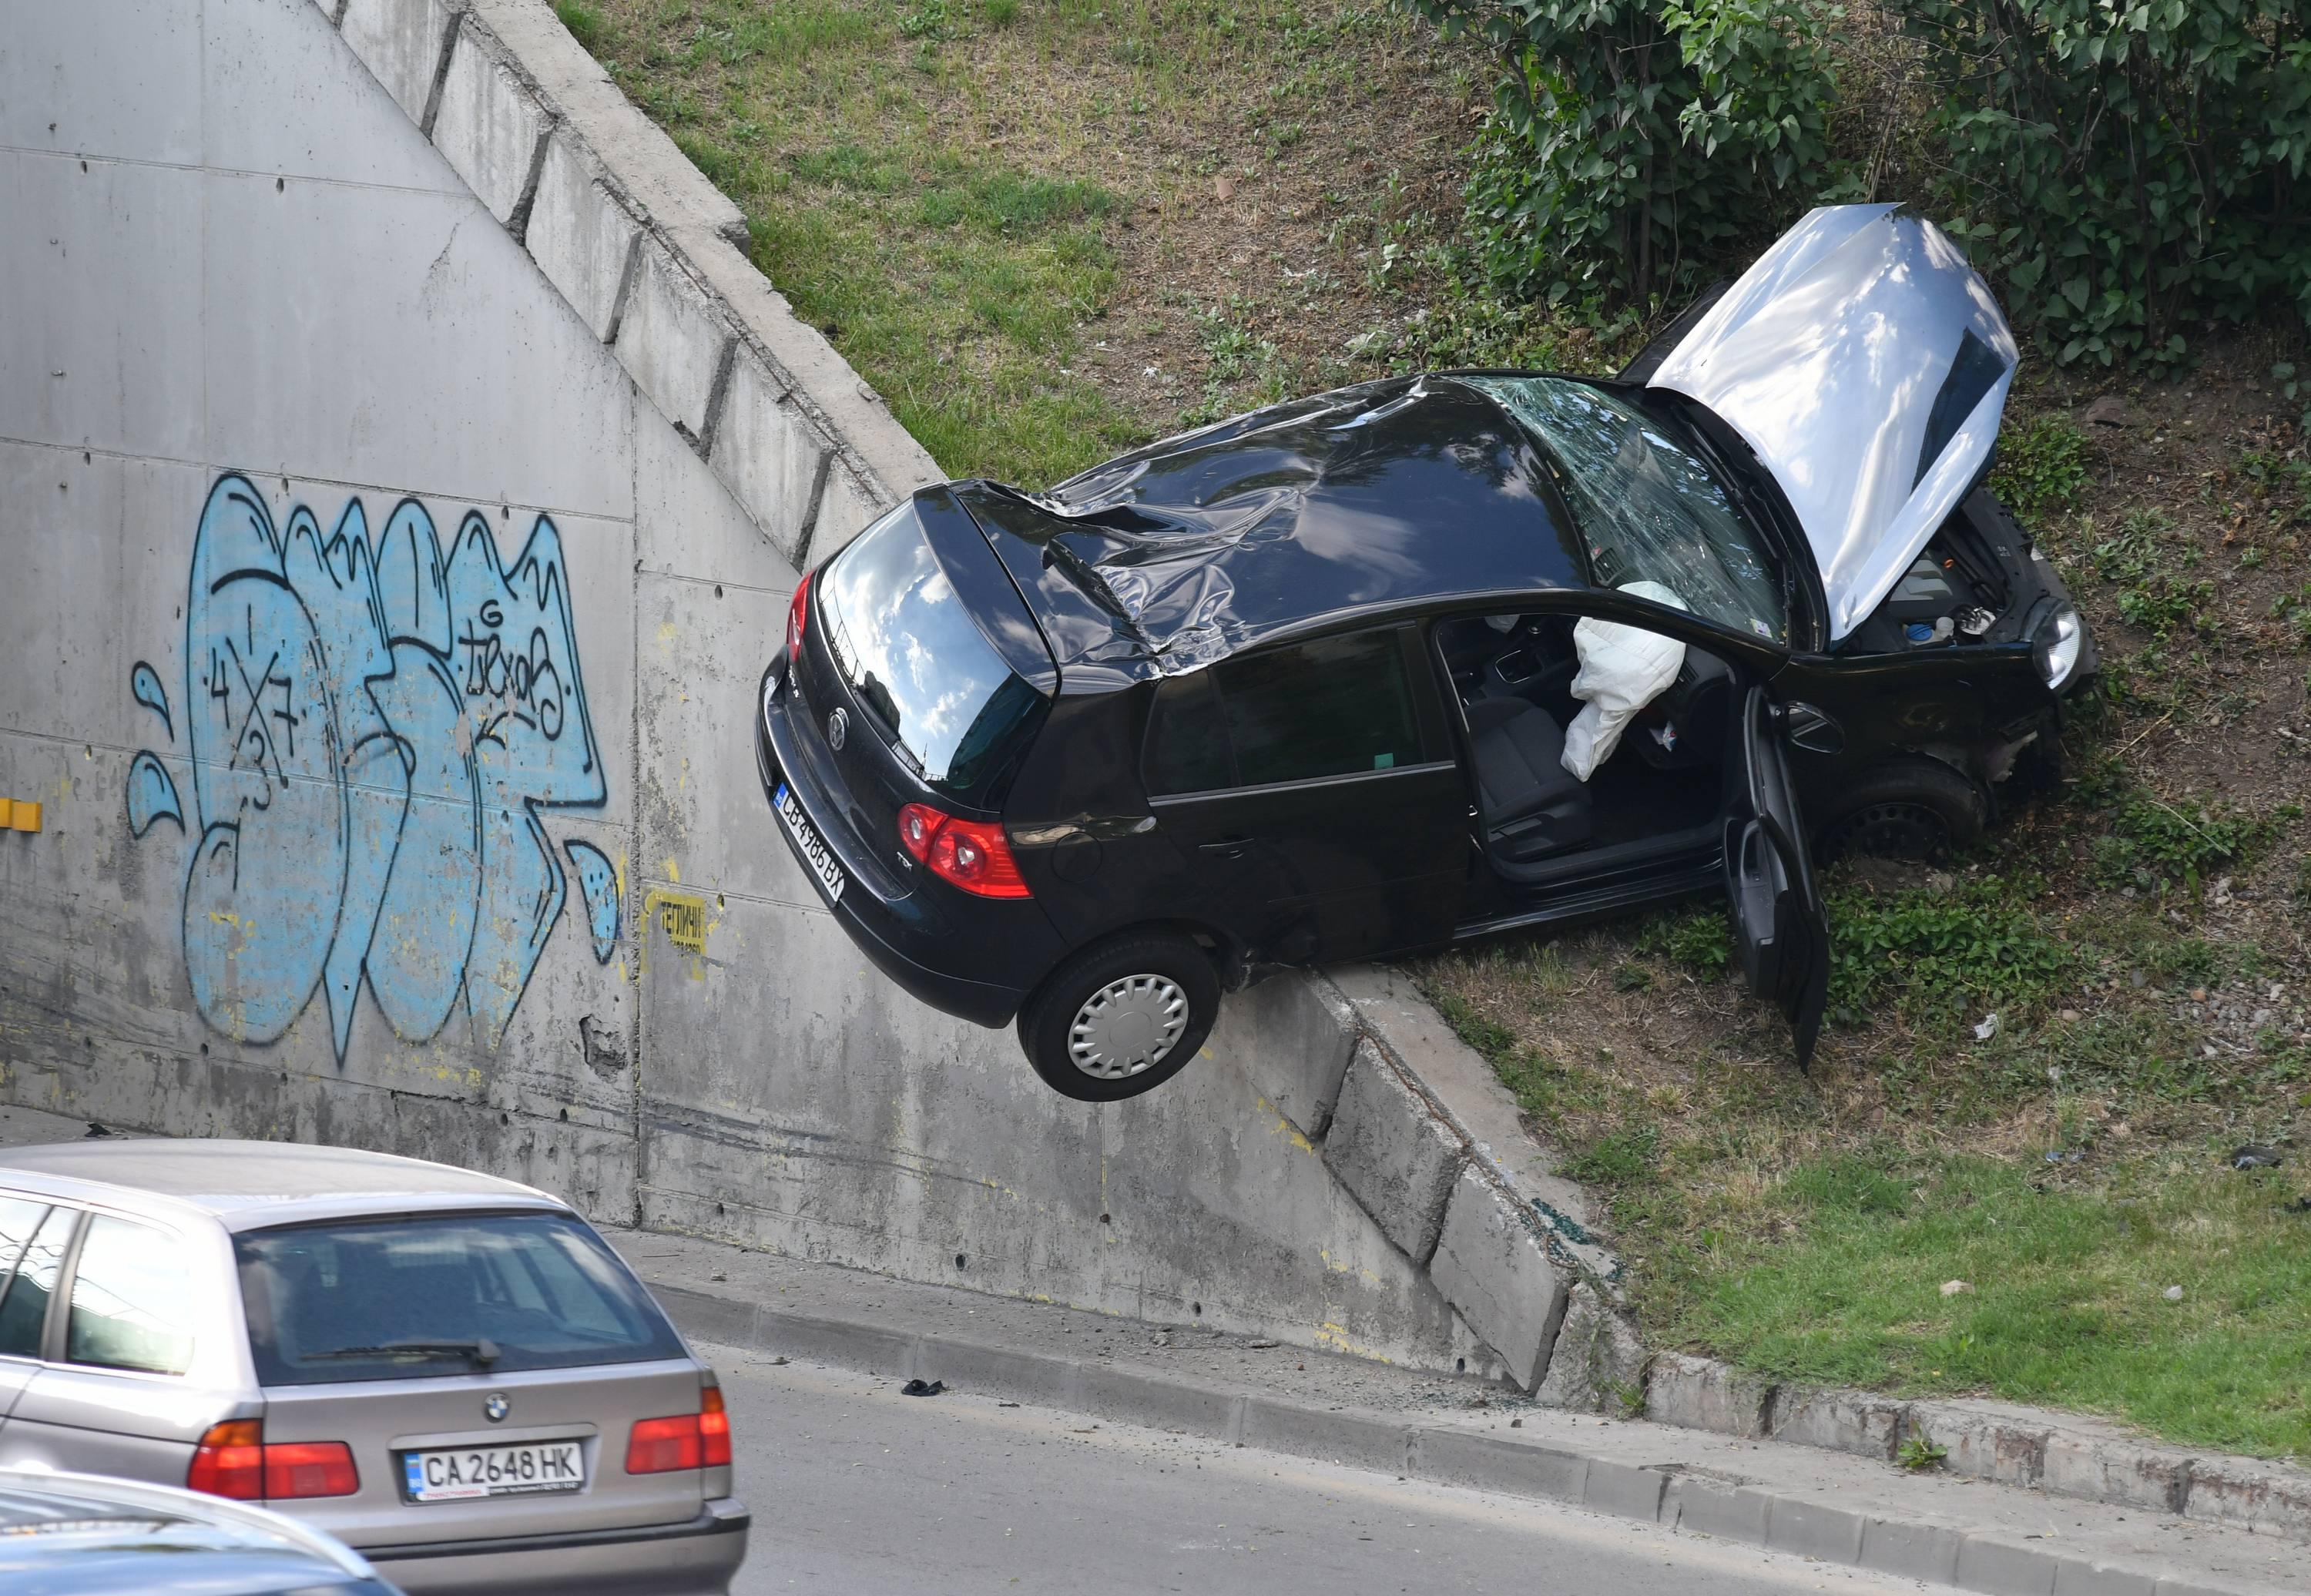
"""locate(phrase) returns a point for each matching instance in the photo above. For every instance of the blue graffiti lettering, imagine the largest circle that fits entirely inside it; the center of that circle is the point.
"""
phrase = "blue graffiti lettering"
(144, 687)
(152, 795)
(373, 733)
(597, 885)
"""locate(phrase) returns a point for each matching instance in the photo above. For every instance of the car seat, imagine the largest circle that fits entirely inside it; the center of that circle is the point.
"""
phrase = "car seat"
(1684, 729)
(1532, 804)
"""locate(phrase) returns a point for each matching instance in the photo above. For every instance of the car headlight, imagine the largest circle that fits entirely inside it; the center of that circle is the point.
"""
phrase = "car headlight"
(2056, 645)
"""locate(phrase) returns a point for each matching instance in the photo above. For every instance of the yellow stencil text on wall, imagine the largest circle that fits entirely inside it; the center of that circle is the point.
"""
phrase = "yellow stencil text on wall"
(684, 918)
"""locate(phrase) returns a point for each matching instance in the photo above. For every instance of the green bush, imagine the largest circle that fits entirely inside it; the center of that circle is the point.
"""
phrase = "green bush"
(2153, 844)
(1633, 144)
(2042, 467)
(2126, 167)
(1975, 943)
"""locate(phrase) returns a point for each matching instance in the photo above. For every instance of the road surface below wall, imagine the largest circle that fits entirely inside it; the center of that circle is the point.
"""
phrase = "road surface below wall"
(857, 1488)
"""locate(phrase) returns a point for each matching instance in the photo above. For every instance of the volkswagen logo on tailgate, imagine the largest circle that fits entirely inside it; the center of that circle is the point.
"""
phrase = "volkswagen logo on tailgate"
(494, 1407)
(838, 727)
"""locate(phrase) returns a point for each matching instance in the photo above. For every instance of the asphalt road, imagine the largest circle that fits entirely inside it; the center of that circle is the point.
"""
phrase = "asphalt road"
(857, 1489)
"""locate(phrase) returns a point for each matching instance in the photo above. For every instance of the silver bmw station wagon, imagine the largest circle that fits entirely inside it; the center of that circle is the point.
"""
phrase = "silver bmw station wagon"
(450, 1373)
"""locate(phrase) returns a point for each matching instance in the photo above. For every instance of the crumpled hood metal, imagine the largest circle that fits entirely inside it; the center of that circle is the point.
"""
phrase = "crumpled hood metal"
(1167, 559)
(1867, 364)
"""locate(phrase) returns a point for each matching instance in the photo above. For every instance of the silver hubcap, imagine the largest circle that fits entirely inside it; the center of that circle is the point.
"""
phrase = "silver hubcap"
(1128, 1025)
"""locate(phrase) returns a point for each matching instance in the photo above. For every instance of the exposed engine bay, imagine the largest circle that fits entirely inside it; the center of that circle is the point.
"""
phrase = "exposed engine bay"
(1978, 579)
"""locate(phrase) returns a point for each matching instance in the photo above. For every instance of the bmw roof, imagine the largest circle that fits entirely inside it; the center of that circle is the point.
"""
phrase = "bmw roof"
(240, 1178)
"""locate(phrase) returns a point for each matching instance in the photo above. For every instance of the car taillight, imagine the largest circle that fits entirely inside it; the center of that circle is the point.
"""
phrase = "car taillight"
(661, 1445)
(230, 1461)
(234, 1459)
(972, 854)
(714, 1429)
(797, 618)
(295, 1469)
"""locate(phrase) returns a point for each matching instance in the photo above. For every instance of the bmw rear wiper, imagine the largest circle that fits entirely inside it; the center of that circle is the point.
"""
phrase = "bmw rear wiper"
(482, 1351)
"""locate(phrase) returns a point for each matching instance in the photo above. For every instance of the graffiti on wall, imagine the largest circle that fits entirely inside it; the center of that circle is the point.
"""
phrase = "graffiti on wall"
(373, 730)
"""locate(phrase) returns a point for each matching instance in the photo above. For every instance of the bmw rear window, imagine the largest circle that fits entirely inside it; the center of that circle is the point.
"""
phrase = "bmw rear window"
(430, 1295)
(909, 651)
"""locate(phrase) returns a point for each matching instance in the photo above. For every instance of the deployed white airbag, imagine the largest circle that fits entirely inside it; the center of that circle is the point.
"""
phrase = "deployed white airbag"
(1623, 669)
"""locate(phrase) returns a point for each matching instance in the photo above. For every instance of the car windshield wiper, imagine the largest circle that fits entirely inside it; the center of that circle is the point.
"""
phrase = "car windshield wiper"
(482, 1351)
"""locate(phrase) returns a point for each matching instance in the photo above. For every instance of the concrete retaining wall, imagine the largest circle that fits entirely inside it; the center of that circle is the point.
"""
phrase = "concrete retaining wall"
(402, 475)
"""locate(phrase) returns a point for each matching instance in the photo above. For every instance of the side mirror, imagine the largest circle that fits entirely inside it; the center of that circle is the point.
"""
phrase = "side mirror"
(1809, 726)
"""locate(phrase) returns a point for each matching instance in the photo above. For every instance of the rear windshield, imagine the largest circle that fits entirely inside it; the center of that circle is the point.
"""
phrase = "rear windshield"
(401, 1298)
(917, 662)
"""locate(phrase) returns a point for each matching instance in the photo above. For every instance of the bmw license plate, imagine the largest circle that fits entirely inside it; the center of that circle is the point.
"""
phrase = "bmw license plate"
(470, 1473)
(821, 859)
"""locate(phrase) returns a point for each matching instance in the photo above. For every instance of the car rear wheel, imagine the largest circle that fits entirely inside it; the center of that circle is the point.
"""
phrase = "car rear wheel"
(1914, 808)
(1121, 1017)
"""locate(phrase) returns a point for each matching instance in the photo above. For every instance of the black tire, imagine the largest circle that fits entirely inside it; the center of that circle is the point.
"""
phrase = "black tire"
(1908, 808)
(1167, 968)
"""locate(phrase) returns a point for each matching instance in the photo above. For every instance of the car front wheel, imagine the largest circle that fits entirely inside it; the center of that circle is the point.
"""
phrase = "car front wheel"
(1121, 1016)
(1914, 809)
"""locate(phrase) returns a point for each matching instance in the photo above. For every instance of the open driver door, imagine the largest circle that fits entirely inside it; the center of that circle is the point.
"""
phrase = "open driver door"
(1778, 922)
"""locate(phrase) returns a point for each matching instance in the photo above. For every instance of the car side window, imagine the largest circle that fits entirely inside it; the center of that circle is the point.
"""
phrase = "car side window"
(24, 1310)
(1188, 744)
(128, 1300)
(1336, 706)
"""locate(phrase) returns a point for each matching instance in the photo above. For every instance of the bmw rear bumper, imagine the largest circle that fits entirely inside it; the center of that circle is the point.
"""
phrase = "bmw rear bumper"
(696, 1558)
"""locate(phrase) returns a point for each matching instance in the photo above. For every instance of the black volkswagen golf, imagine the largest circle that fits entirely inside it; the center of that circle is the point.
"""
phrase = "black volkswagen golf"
(1431, 659)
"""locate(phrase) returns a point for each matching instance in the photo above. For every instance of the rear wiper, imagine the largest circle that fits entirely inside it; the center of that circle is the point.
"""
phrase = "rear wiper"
(484, 1351)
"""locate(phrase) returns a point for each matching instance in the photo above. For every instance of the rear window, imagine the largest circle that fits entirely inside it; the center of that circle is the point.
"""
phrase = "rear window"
(409, 1297)
(916, 660)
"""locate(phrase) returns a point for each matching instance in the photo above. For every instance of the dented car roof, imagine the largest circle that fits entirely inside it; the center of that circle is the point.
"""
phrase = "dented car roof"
(1366, 498)
(1867, 364)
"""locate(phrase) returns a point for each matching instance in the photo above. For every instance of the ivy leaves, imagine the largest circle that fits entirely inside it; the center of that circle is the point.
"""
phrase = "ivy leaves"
(1633, 143)
(2126, 169)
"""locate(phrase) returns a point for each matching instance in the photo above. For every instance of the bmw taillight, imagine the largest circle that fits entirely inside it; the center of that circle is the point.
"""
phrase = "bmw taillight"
(797, 618)
(234, 1460)
(299, 1469)
(700, 1440)
(714, 1429)
(230, 1461)
(972, 854)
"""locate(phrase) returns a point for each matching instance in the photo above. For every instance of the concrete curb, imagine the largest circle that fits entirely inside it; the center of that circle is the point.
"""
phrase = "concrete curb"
(2063, 1454)
(1823, 1525)
(650, 255)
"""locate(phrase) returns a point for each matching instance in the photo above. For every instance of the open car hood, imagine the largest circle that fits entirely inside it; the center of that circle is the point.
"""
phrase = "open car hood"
(1867, 364)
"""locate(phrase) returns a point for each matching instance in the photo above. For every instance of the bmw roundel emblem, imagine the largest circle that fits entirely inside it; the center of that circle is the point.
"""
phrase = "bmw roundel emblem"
(494, 1407)
(838, 727)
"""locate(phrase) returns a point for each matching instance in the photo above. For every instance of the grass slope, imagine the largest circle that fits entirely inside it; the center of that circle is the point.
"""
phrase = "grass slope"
(1045, 232)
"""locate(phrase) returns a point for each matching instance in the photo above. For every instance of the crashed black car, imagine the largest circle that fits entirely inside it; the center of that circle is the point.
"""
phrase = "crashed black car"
(1431, 659)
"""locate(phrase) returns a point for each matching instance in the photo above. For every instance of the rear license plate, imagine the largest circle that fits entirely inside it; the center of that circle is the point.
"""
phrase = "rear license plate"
(472, 1472)
(821, 858)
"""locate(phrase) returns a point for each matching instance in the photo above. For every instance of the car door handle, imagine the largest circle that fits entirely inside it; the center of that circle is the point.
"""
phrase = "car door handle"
(1226, 847)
